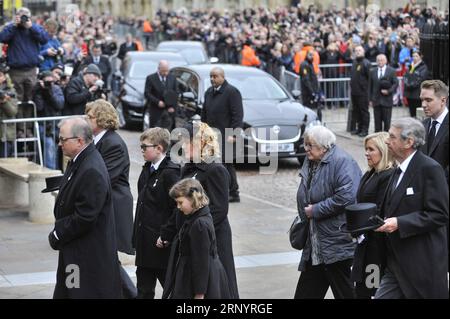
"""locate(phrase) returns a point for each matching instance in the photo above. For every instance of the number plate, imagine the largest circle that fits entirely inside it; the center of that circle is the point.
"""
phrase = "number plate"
(277, 148)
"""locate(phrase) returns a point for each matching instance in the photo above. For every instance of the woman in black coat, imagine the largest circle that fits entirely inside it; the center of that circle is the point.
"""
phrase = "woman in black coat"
(104, 121)
(371, 190)
(413, 78)
(195, 270)
(202, 149)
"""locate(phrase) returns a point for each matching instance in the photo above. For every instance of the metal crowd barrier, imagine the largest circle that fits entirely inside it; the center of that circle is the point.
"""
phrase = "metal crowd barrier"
(41, 146)
(336, 90)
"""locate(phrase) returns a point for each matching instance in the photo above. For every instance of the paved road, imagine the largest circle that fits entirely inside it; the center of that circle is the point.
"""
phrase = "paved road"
(266, 264)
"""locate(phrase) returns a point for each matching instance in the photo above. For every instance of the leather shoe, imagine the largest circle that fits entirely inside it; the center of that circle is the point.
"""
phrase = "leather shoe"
(234, 199)
(363, 134)
(355, 132)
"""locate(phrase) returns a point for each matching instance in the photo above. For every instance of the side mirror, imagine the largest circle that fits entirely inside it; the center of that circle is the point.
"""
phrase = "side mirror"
(188, 97)
(213, 59)
(296, 93)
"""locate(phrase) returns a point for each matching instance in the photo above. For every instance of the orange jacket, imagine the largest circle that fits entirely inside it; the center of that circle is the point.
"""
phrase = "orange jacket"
(147, 27)
(301, 56)
(139, 45)
(249, 57)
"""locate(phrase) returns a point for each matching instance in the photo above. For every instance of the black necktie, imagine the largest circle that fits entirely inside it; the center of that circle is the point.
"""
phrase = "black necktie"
(394, 181)
(152, 169)
(431, 136)
(163, 81)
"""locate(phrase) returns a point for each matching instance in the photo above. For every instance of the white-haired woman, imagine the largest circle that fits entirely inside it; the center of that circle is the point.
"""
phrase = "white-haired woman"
(329, 182)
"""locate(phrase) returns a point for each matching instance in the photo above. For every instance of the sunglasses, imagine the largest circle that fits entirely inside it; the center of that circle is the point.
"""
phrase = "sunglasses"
(144, 146)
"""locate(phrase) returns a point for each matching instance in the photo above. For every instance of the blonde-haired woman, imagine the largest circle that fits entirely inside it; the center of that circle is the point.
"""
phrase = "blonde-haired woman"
(104, 121)
(202, 151)
(371, 190)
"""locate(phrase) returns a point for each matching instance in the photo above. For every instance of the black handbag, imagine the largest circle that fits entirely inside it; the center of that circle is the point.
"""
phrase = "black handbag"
(298, 233)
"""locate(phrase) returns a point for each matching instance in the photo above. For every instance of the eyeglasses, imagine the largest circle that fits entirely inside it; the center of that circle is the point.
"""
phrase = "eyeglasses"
(65, 139)
(308, 146)
(144, 146)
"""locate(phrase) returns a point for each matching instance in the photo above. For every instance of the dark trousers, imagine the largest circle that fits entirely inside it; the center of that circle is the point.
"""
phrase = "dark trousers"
(146, 281)
(413, 104)
(315, 281)
(389, 287)
(128, 289)
(382, 116)
(234, 187)
(360, 112)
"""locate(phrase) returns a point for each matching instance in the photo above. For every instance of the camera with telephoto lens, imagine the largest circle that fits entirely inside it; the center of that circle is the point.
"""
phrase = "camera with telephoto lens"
(4, 94)
(100, 89)
(24, 19)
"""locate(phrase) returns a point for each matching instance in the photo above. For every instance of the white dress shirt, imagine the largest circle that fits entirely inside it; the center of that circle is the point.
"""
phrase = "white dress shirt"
(99, 136)
(404, 166)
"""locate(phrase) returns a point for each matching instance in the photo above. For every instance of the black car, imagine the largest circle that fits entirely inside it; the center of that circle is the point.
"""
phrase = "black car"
(274, 122)
(193, 51)
(129, 96)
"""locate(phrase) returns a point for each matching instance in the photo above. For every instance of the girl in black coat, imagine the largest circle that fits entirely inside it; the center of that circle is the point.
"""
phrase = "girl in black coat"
(201, 148)
(371, 190)
(195, 270)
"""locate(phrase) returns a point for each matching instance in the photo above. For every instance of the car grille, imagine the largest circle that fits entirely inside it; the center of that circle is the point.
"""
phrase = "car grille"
(287, 134)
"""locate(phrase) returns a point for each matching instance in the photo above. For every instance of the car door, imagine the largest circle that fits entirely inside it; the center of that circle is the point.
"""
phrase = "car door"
(188, 86)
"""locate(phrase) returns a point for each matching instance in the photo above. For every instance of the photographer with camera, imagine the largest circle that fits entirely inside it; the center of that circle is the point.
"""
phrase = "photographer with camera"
(24, 39)
(84, 88)
(49, 100)
(52, 52)
(8, 110)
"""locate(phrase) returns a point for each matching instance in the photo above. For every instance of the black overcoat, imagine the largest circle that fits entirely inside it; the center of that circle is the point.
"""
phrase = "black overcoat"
(85, 227)
(115, 154)
(154, 92)
(153, 210)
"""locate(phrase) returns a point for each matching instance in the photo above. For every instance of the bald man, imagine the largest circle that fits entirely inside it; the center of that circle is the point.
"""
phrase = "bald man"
(84, 231)
(223, 109)
(158, 86)
(383, 83)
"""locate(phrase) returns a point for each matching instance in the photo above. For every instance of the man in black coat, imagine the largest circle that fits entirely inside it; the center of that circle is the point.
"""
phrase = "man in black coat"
(157, 87)
(223, 110)
(434, 96)
(415, 208)
(154, 208)
(383, 83)
(84, 231)
(310, 84)
(104, 122)
(101, 61)
(81, 90)
(359, 84)
(127, 46)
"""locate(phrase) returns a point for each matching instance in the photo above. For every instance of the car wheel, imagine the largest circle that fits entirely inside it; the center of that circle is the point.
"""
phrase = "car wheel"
(146, 119)
(122, 120)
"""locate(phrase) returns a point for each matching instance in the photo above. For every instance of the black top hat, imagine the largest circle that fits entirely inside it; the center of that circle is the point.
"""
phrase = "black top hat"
(361, 217)
(385, 84)
(53, 183)
(171, 97)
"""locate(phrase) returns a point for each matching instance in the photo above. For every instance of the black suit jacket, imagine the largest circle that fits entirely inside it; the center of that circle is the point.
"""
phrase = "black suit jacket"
(104, 65)
(154, 92)
(115, 154)
(153, 211)
(85, 227)
(223, 109)
(439, 150)
(375, 95)
(417, 250)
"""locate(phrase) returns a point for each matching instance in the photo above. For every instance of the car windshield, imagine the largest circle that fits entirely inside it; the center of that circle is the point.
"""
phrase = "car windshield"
(142, 69)
(254, 87)
(193, 56)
